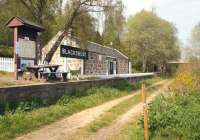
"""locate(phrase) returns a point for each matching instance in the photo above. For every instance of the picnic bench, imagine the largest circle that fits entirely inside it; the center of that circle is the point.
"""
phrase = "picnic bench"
(38, 72)
(53, 75)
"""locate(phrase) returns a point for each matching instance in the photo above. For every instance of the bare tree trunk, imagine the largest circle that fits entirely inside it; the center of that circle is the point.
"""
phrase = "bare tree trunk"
(80, 7)
(144, 64)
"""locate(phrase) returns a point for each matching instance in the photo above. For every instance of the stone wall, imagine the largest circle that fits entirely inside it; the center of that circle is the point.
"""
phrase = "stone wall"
(122, 66)
(54, 91)
(95, 65)
(98, 65)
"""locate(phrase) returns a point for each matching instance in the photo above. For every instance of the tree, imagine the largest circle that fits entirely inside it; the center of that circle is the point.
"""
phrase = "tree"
(114, 23)
(151, 40)
(7, 10)
(43, 12)
(40, 9)
(76, 8)
(194, 44)
(84, 26)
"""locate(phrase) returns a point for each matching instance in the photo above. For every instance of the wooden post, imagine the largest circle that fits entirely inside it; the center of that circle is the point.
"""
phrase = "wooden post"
(146, 136)
(15, 54)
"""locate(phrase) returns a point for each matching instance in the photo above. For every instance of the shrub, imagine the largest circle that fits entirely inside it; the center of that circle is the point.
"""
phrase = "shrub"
(187, 79)
(6, 51)
(175, 118)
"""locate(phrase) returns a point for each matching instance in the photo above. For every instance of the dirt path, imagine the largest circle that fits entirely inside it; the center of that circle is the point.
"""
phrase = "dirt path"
(116, 126)
(67, 126)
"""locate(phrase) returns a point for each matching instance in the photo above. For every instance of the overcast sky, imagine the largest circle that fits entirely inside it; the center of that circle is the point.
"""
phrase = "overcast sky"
(183, 13)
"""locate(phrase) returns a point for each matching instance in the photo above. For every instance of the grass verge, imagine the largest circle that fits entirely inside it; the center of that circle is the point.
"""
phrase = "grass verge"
(107, 118)
(116, 111)
(19, 121)
(132, 131)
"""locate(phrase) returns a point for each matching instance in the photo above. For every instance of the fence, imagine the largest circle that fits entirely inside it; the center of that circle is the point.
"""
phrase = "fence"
(6, 64)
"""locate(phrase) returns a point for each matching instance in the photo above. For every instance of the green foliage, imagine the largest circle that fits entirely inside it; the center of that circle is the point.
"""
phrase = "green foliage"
(13, 107)
(193, 45)
(114, 24)
(175, 117)
(75, 72)
(7, 10)
(6, 51)
(151, 39)
(124, 86)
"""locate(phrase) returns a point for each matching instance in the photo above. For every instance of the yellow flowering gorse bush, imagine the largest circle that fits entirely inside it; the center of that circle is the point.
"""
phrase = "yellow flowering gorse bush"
(185, 82)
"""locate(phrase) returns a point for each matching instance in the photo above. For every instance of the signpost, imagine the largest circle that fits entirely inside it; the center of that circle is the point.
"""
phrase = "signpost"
(24, 40)
(15, 53)
(146, 136)
(72, 52)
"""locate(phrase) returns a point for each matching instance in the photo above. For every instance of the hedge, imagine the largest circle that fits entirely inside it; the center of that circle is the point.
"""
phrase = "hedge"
(6, 51)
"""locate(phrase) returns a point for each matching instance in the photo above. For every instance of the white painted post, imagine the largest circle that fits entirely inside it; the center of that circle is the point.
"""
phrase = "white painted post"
(115, 67)
(82, 67)
(130, 68)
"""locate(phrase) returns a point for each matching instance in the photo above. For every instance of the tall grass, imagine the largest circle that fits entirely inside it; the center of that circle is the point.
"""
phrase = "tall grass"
(175, 115)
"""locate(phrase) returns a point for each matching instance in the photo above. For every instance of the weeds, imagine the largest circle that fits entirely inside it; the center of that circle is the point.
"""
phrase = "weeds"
(175, 115)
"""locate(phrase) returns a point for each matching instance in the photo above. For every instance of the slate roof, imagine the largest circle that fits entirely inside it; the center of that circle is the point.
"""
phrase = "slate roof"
(97, 48)
(100, 49)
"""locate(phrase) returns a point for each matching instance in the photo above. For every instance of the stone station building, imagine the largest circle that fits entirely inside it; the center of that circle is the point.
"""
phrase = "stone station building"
(101, 60)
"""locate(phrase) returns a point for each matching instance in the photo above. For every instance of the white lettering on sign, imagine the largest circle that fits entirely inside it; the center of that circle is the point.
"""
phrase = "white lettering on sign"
(67, 51)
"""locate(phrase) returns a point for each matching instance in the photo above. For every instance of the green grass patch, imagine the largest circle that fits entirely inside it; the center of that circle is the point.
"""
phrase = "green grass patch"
(23, 117)
(111, 115)
(132, 131)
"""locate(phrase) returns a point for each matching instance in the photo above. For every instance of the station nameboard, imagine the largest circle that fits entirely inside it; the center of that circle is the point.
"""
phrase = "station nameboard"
(72, 52)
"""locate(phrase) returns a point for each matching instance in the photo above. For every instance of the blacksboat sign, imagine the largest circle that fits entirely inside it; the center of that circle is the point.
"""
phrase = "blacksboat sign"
(72, 52)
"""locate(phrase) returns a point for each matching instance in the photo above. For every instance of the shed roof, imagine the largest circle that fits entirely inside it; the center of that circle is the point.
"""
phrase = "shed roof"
(18, 21)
